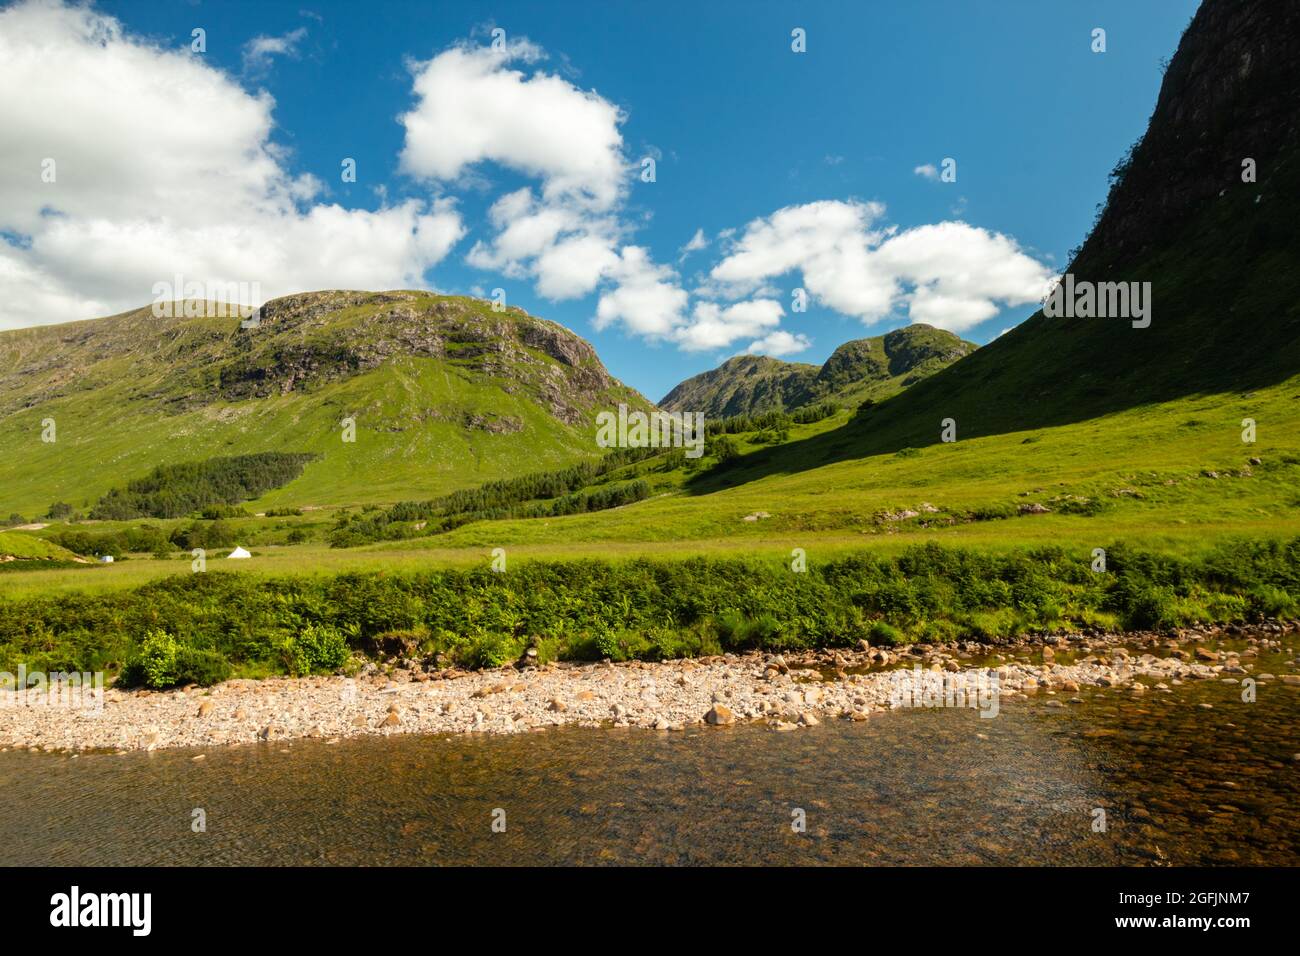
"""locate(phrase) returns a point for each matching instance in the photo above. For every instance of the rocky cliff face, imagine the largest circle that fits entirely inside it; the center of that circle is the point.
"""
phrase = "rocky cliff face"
(742, 385)
(1230, 94)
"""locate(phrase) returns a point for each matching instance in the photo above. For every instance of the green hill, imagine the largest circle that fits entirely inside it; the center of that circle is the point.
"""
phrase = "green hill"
(444, 392)
(15, 546)
(872, 368)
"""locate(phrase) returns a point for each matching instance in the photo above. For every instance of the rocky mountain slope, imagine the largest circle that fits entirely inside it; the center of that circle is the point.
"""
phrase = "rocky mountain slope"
(443, 391)
(863, 368)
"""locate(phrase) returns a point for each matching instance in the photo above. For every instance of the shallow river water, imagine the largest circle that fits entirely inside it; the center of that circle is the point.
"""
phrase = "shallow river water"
(1179, 783)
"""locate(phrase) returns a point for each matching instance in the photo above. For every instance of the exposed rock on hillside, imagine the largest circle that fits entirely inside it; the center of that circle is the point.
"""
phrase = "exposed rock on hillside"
(862, 368)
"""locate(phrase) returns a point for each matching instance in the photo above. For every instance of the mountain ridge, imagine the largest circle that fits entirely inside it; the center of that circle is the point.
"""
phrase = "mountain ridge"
(443, 392)
(873, 367)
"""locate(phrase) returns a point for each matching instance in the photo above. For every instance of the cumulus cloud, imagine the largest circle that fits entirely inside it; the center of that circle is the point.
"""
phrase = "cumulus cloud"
(714, 326)
(779, 343)
(564, 248)
(949, 274)
(118, 218)
(927, 171)
(646, 299)
(477, 105)
(261, 50)
(473, 106)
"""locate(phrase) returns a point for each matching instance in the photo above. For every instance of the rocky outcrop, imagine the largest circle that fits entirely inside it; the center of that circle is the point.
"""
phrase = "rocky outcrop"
(300, 341)
(1229, 95)
(872, 367)
(303, 341)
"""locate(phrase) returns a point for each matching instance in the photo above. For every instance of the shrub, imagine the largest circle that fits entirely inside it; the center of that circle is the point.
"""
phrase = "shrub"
(887, 634)
(736, 631)
(724, 448)
(154, 665)
(324, 648)
(1151, 608)
(1265, 600)
(202, 667)
(651, 609)
(492, 650)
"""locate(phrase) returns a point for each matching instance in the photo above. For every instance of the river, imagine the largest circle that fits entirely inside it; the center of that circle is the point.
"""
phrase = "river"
(1157, 779)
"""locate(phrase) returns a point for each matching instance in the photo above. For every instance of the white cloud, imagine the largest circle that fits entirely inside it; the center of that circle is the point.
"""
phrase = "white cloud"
(208, 196)
(212, 198)
(697, 242)
(828, 242)
(949, 274)
(961, 275)
(259, 51)
(713, 326)
(647, 299)
(564, 248)
(472, 107)
(927, 171)
(779, 343)
(475, 106)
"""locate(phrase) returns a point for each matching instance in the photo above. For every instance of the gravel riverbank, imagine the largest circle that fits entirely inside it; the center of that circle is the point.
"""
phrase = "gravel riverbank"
(786, 692)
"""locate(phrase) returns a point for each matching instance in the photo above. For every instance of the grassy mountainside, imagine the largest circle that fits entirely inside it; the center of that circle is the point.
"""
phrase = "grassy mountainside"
(445, 393)
(863, 368)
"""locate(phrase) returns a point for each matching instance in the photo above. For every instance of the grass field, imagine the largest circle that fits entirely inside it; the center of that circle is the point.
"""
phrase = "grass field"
(1139, 476)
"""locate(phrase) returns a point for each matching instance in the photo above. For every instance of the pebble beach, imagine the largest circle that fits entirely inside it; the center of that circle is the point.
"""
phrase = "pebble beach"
(785, 692)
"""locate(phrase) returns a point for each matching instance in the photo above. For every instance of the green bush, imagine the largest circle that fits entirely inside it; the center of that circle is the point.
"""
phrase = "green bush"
(156, 661)
(724, 448)
(1151, 608)
(1265, 600)
(324, 648)
(203, 667)
(492, 650)
(887, 634)
(314, 649)
(163, 662)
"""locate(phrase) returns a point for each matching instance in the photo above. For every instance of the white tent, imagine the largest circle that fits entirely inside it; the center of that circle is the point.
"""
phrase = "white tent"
(239, 553)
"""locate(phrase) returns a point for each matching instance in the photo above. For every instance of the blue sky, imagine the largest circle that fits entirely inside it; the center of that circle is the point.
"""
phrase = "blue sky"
(741, 127)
